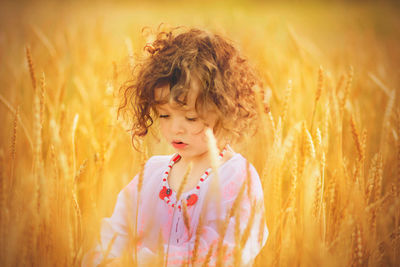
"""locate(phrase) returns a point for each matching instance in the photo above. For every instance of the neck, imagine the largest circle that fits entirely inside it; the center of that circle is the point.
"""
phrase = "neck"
(199, 160)
(203, 161)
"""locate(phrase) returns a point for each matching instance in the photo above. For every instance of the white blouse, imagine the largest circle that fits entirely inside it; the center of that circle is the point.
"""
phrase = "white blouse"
(157, 218)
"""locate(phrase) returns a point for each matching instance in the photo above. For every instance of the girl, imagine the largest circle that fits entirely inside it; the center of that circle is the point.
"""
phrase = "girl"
(178, 206)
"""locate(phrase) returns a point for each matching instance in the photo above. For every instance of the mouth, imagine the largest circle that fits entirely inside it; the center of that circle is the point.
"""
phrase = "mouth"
(178, 144)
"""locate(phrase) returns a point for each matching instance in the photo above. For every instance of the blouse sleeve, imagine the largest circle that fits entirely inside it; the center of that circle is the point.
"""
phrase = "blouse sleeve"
(251, 218)
(115, 228)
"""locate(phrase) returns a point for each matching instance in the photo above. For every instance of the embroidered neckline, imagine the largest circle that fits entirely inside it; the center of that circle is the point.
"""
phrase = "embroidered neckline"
(191, 199)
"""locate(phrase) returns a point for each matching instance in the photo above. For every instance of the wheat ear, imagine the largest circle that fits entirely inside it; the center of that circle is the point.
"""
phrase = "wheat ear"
(247, 230)
(356, 136)
(340, 83)
(288, 93)
(31, 67)
(13, 149)
(347, 88)
(108, 250)
(186, 222)
(197, 240)
(308, 142)
(42, 96)
(23, 127)
(208, 256)
(317, 94)
(237, 249)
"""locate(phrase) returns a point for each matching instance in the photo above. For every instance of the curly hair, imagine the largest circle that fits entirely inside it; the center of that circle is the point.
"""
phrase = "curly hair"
(226, 79)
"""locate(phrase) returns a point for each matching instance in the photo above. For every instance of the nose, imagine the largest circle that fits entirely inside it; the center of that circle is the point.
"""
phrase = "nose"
(177, 126)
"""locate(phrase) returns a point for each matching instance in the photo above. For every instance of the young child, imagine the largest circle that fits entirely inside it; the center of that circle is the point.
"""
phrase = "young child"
(190, 82)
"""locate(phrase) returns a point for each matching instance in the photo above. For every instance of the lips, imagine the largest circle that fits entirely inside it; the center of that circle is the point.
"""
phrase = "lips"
(178, 144)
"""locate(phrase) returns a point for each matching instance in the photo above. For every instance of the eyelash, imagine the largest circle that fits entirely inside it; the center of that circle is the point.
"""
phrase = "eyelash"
(167, 116)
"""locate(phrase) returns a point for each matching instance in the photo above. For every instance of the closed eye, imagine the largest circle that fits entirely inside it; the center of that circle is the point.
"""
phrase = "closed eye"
(164, 116)
(191, 119)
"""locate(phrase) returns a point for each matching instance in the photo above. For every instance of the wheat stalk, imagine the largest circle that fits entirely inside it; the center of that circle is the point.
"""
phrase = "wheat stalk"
(74, 127)
(308, 143)
(4, 215)
(397, 182)
(271, 119)
(317, 140)
(220, 243)
(178, 195)
(186, 222)
(288, 92)
(108, 250)
(184, 180)
(237, 258)
(356, 137)
(13, 152)
(317, 94)
(199, 231)
(358, 250)
(325, 127)
(378, 178)
(293, 188)
(208, 256)
(31, 67)
(386, 121)
(347, 88)
(160, 250)
(42, 96)
(249, 226)
(14, 112)
(340, 83)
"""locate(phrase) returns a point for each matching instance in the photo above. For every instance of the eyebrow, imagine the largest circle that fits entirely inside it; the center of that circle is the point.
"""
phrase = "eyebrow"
(166, 108)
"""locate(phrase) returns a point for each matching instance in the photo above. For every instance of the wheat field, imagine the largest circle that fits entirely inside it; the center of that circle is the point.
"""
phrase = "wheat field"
(328, 141)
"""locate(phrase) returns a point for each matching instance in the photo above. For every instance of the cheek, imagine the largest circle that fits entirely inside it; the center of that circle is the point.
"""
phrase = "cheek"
(201, 136)
(197, 128)
(163, 127)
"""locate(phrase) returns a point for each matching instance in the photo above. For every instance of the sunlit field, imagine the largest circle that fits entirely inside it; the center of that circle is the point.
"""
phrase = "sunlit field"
(327, 148)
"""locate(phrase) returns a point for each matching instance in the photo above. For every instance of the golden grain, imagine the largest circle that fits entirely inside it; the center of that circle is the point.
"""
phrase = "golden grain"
(250, 222)
(31, 67)
(199, 231)
(13, 151)
(288, 93)
(208, 256)
(340, 83)
(317, 94)
(51, 207)
(347, 88)
(308, 143)
(356, 136)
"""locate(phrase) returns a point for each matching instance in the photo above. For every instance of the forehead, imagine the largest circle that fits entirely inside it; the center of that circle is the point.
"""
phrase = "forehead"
(174, 106)
(162, 94)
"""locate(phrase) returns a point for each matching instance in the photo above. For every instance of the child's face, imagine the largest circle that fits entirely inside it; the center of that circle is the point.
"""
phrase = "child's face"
(181, 126)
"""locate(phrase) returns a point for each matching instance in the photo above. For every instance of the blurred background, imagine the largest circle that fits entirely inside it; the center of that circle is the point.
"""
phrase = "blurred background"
(329, 149)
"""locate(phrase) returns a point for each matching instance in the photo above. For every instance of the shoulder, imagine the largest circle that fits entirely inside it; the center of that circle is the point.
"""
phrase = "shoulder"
(152, 171)
(238, 166)
(238, 172)
(155, 167)
(157, 161)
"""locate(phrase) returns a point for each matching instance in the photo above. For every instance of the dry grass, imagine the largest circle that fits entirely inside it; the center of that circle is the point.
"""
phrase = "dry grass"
(328, 152)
